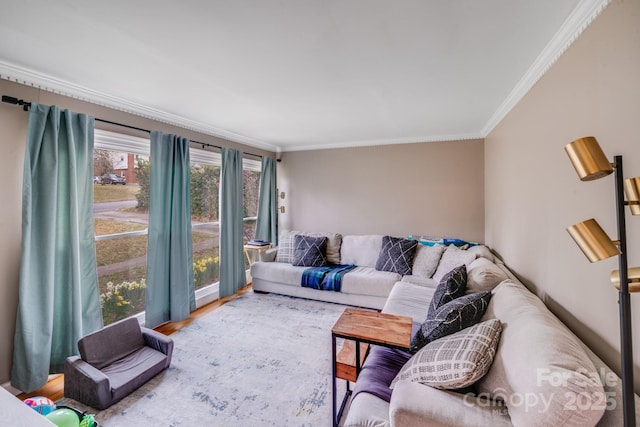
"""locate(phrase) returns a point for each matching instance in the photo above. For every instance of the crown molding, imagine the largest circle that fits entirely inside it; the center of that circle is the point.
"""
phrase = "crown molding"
(42, 81)
(581, 17)
(378, 142)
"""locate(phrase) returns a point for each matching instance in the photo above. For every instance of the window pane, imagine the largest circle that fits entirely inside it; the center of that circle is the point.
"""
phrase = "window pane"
(205, 183)
(120, 181)
(251, 187)
(251, 194)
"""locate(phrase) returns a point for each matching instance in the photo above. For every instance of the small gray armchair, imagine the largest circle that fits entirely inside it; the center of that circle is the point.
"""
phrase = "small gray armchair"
(114, 361)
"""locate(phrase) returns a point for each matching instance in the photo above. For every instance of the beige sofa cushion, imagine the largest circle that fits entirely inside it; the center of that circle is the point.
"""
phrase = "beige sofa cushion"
(482, 251)
(362, 251)
(483, 275)
(540, 369)
(278, 272)
(417, 405)
(422, 281)
(407, 299)
(369, 281)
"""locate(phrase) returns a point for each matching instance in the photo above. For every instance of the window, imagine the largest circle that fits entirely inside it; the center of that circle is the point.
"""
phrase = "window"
(121, 217)
(205, 191)
(251, 192)
(205, 226)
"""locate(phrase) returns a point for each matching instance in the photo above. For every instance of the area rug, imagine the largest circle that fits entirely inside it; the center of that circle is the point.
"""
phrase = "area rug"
(259, 360)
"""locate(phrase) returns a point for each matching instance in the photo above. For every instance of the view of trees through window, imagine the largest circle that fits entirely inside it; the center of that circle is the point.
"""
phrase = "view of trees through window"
(251, 187)
(121, 215)
(205, 230)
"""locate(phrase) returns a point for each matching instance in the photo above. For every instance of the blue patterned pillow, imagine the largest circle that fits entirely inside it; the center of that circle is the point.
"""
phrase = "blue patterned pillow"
(451, 317)
(452, 286)
(309, 251)
(396, 255)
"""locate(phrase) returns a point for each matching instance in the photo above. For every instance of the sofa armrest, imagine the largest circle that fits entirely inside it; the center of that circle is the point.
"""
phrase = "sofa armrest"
(269, 255)
(414, 404)
(158, 341)
(86, 384)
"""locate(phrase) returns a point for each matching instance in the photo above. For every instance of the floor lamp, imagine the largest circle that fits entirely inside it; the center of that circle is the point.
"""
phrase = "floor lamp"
(590, 163)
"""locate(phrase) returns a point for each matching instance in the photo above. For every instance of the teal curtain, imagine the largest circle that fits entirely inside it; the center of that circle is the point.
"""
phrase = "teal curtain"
(267, 223)
(232, 269)
(170, 294)
(59, 301)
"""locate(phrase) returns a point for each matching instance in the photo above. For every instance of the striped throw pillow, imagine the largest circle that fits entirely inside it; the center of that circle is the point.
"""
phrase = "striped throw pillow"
(455, 361)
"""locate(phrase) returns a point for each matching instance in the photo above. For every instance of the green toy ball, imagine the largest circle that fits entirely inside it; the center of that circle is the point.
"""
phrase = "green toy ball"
(88, 421)
(64, 418)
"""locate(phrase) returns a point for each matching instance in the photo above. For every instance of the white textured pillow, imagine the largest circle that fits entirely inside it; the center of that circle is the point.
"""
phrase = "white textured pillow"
(538, 356)
(362, 251)
(451, 258)
(483, 275)
(334, 241)
(455, 361)
(426, 260)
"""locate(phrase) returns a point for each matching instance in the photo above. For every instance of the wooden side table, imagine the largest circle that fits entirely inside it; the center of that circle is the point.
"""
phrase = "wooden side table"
(361, 328)
(256, 252)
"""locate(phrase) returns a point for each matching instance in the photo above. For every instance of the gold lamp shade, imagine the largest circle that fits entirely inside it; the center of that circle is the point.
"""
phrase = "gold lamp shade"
(632, 191)
(634, 279)
(593, 241)
(588, 159)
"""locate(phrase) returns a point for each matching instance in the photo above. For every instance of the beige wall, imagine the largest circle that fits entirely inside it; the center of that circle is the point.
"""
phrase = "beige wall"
(533, 193)
(13, 131)
(13, 134)
(433, 188)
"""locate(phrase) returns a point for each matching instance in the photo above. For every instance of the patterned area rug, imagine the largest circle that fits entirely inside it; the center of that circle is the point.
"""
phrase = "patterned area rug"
(259, 360)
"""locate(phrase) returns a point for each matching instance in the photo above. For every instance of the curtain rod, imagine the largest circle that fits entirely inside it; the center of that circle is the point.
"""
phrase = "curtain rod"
(26, 105)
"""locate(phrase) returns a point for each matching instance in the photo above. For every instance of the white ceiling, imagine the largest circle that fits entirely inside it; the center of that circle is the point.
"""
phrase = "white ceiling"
(295, 74)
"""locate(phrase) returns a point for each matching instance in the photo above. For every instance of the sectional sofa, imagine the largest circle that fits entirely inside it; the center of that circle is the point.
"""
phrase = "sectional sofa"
(537, 374)
(541, 373)
(364, 286)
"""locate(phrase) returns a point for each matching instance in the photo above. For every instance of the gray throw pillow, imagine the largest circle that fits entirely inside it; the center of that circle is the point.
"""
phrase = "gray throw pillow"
(309, 251)
(426, 260)
(451, 317)
(451, 258)
(396, 255)
(452, 286)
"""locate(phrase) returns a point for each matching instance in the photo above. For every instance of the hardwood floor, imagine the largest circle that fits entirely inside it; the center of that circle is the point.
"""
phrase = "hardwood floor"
(54, 389)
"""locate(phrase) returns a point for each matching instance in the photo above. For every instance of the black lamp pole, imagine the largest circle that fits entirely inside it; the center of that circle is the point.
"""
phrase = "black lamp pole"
(624, 302)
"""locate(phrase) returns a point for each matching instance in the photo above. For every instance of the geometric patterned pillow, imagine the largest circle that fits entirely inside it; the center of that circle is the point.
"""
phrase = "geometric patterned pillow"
(309, 251)
(455, 361)
(452, 286)
(450, 318)
(285, 248)
(334, 242)
(396, 255)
